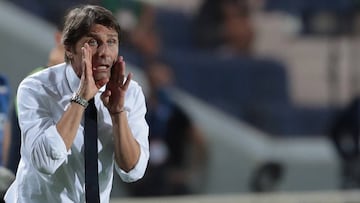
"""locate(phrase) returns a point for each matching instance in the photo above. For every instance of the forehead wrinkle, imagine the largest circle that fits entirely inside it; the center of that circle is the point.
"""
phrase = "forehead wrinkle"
(97, 34)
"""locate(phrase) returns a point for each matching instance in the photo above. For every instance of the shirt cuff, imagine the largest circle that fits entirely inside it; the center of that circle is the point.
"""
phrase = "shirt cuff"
(137, 172)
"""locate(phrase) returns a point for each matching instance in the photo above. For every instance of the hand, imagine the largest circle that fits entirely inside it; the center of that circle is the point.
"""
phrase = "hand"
(88, 87)
(114, 95)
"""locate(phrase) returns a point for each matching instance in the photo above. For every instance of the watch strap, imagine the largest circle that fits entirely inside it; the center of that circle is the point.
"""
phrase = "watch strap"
(79, 100)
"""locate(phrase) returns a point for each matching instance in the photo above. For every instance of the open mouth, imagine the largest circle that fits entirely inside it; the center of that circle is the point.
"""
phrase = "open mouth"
(101, 68)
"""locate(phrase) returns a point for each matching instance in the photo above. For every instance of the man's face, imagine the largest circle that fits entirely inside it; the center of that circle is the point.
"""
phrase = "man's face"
(105, 47)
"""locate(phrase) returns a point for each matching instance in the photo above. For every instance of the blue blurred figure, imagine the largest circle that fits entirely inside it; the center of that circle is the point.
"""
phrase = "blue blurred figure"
(4, 110)
(6, 176)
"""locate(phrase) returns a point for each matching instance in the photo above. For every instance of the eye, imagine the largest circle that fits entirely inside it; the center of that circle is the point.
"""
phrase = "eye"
(112, 42)
(93, 43)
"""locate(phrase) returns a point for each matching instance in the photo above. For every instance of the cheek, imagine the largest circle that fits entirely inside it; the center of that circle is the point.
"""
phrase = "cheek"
(115, 52)
(77, 65)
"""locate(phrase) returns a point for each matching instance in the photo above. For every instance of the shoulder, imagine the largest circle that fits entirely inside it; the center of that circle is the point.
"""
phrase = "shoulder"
(37, 70)
(135, 98)
(44, 77)
(134, 88)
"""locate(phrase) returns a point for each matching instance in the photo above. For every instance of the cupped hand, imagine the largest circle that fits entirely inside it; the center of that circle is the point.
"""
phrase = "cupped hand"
(114, 95)
(88, 86)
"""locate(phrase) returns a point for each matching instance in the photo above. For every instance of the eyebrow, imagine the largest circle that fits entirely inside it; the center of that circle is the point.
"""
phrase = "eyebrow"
(94, 35)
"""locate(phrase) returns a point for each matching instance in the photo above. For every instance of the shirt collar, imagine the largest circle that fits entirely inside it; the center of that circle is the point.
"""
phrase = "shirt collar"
(74, 80)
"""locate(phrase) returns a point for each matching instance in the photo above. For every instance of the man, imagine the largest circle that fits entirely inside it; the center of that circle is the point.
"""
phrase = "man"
(225, 26)
(51, 105)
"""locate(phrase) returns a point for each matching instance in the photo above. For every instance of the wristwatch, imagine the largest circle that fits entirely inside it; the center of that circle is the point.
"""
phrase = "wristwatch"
(77, 99)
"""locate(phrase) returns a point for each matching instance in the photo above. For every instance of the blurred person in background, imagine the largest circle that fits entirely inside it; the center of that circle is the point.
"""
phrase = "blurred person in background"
(225, 26)
(137, 20)
(4, 116)
(56, 56)
(6, 176)
(49, 10)
(345, 135)
(177, 146)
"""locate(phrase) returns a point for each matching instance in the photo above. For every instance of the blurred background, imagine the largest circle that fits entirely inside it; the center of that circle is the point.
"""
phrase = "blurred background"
(244, 96)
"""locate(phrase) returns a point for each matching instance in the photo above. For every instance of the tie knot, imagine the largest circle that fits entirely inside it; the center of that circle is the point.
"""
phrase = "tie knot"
(91, 101)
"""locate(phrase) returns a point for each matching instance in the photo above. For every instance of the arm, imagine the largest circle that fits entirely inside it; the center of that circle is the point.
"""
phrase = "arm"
(70, 120)
(47, 139)
(69, 123)
(43, 146)
(139, 130)
(127, 149)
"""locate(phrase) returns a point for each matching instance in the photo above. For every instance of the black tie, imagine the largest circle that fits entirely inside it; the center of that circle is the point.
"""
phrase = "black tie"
(91, 154)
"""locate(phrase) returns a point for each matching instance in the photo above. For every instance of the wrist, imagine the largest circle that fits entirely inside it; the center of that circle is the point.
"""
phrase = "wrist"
(122, 110)
(79, 100)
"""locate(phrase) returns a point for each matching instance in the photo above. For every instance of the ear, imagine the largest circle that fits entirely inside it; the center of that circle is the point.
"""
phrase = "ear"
(68, 52)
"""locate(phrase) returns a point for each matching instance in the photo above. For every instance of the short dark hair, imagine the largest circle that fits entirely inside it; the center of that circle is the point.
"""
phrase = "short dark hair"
(79, 20)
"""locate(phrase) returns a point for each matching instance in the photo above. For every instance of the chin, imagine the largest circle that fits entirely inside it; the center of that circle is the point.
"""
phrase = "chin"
(101, 82)
(101, 76)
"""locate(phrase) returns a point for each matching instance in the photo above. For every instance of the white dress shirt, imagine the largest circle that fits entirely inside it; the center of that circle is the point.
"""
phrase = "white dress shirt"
(47, 172)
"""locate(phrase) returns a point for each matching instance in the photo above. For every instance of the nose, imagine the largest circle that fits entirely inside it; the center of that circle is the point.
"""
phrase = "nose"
(103, 50)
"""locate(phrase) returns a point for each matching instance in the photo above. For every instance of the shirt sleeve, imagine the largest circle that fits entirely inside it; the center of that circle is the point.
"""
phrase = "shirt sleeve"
(140, 130)
(43, 145)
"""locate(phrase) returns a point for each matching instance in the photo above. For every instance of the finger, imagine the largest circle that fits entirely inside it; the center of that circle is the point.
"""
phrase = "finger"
(87, 57)
(127, 82)
(122, 71)
(83, 68)
(115, 70)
